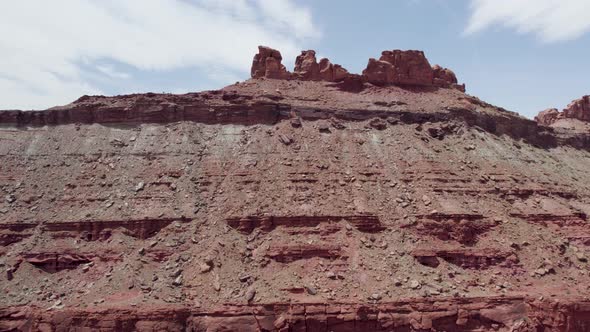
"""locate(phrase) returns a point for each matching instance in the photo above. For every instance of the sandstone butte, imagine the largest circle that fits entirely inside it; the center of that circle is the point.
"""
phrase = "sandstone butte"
(311, 200)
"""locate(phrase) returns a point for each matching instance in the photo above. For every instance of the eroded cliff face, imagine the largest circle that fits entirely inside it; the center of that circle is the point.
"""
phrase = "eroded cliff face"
(293, 202)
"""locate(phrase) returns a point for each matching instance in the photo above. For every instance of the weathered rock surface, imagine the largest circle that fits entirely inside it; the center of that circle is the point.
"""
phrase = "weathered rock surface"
(578, 109)
(548, 116)
(395, 67)
(409, 68)
(267, 63)
(299, 204)
(306, 66)
(477, 314)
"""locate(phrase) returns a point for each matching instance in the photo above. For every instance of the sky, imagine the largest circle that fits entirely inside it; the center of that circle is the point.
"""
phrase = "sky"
(523, 55)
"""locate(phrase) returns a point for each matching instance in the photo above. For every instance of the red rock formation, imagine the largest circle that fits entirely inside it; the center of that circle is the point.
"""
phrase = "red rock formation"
(394, 67)
(54, 262)
(306, 66)
(409, 68)
(291, 253)
(506, 313)
(379, 72)
(578, 109)
(267, 63)
(466, 258)
(446, 78)
(548, 116)
(463, 228)
(332, 72)
(364, 223)
(292, 205)
(443, 76)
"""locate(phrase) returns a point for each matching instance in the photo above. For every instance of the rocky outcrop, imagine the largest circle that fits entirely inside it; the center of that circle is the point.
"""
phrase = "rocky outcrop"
(405, 68)
(466, 258)
(463, 228)
(267, 63)
(578, 109)
(444, 77)
(291, 253)
(451, 314)
(395, 67)
(54, 262)
(332, 72)
(548, 116)
(408, 68)
(306, 66)
(246, 225)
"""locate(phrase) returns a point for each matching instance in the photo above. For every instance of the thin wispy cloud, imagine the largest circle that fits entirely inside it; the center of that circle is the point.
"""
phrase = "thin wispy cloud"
(50, 48)
(550, 20)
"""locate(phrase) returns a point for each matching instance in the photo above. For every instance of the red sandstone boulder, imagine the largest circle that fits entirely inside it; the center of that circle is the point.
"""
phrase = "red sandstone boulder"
(578, 109)
(267, 63)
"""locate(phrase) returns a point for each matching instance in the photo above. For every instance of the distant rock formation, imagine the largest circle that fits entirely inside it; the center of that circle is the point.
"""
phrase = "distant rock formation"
(400, 67)
(307, 68)
(267, 63)
(408, 68)
(548, 116)
(332, 72)
(446, 78)
(395, 67)
(578, 109)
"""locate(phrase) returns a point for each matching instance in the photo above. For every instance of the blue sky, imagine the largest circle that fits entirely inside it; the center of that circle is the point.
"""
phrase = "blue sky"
(524, 55)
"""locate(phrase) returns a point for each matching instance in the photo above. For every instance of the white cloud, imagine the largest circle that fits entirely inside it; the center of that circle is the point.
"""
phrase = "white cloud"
(47, 46)
(111, 71)
(550, 20)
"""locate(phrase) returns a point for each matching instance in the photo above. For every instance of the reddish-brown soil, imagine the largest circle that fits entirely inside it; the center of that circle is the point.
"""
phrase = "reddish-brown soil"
(294, 206)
